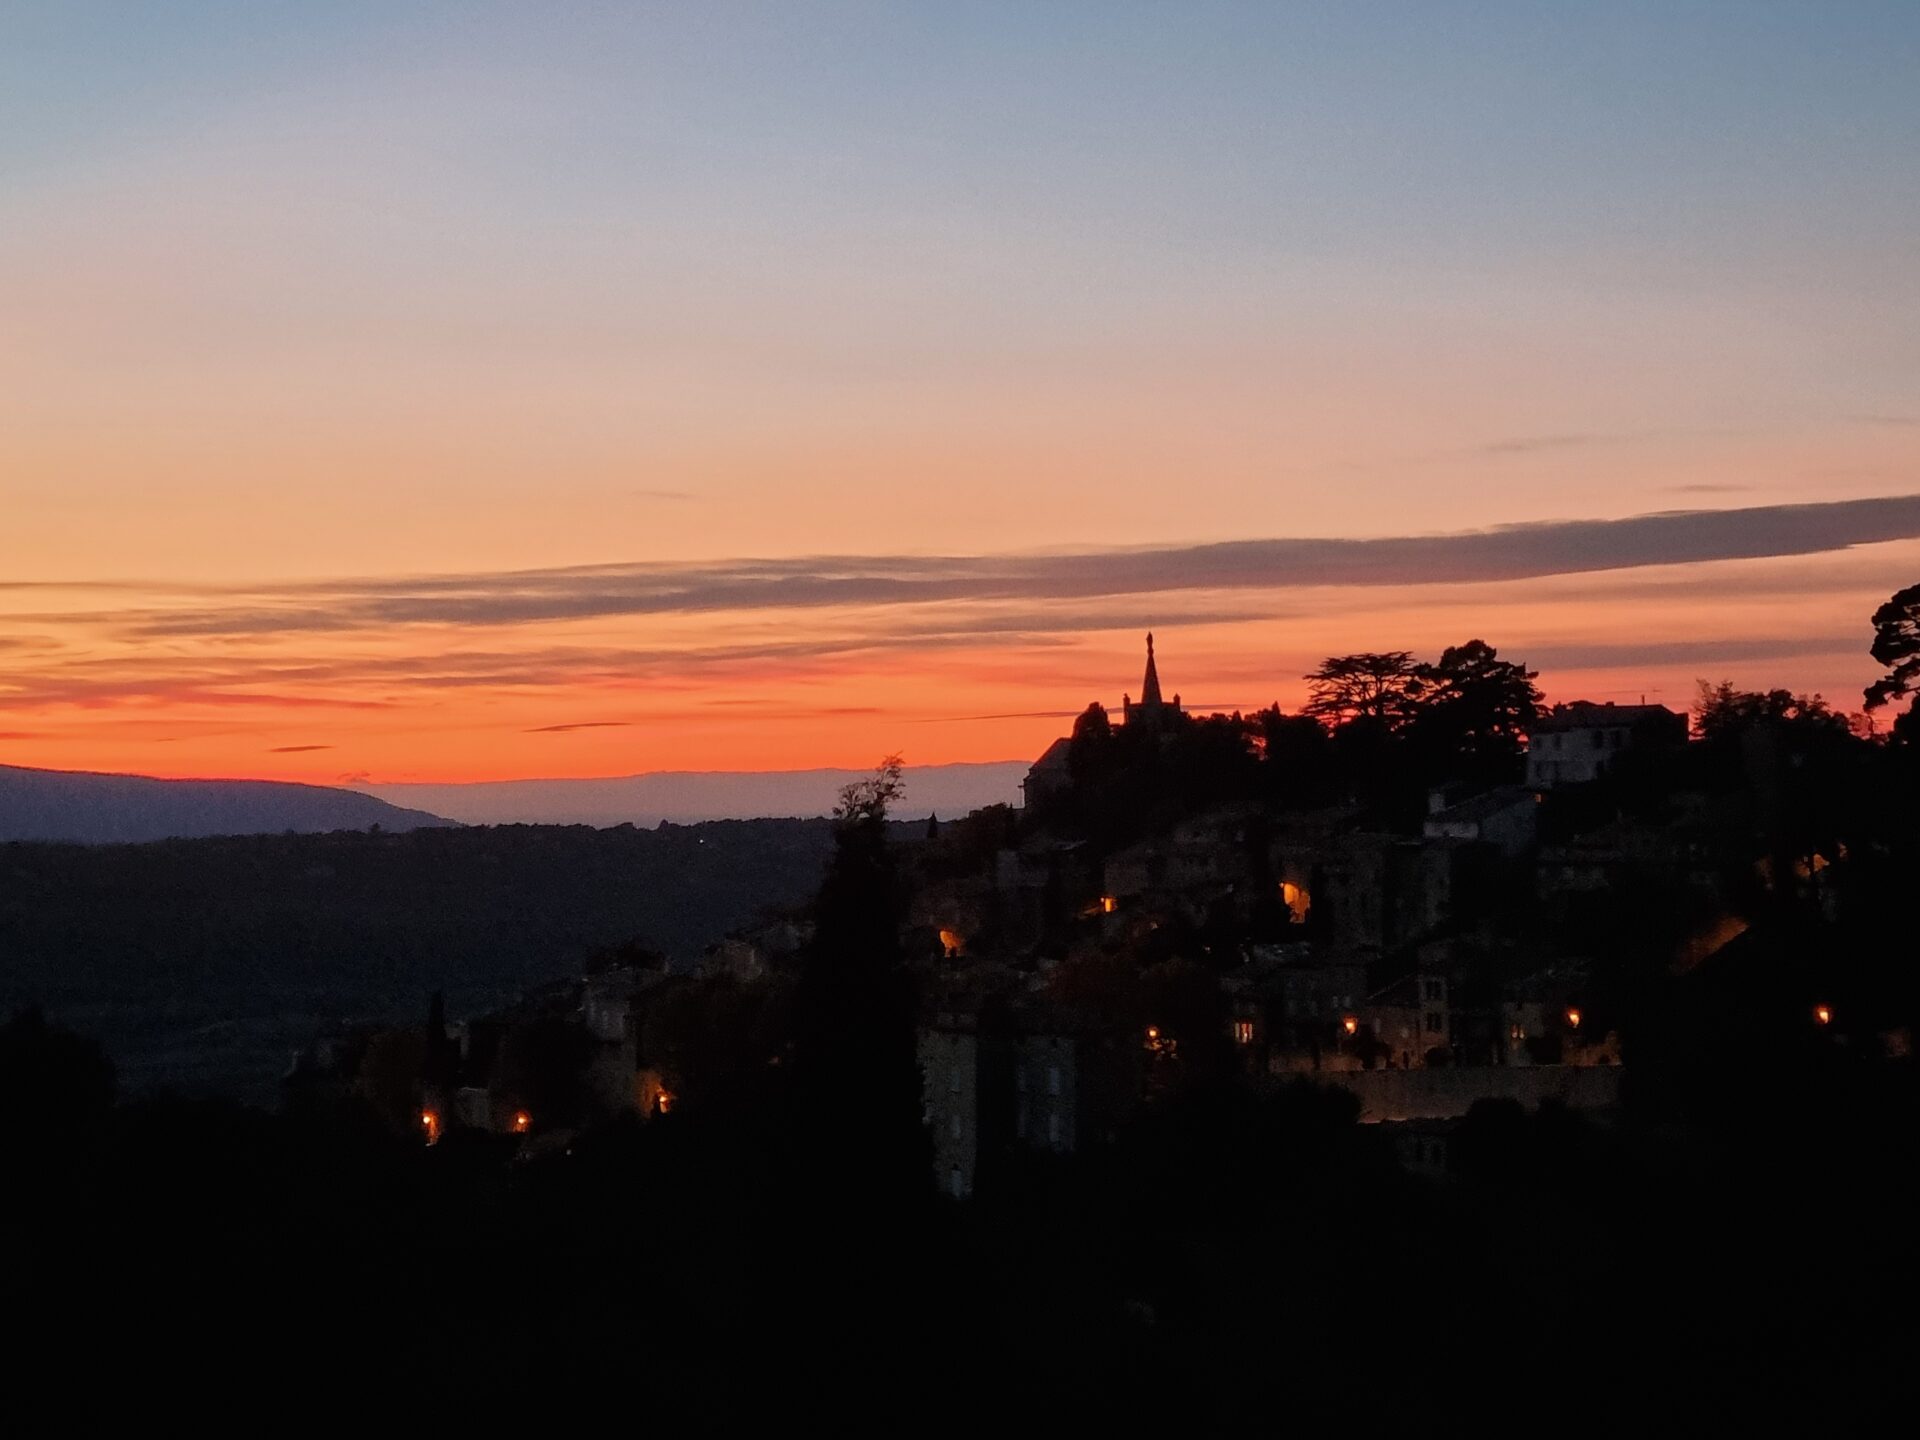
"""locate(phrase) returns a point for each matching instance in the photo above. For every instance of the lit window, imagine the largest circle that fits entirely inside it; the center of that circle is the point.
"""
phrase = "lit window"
(1243, 1031)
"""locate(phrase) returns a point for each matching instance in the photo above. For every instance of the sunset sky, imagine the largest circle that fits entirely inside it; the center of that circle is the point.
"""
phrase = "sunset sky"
(408, 392)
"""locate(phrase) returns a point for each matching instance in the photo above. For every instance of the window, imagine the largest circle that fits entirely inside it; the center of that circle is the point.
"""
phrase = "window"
(956, 1184)
(1053, 1080)
(1435, 1023)
(953, 1126)
(1053, 1129)
(1243, 1031)
(953, 1079)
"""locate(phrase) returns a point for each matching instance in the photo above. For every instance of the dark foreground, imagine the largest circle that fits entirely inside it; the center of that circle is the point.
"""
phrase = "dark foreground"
(1233, 1265)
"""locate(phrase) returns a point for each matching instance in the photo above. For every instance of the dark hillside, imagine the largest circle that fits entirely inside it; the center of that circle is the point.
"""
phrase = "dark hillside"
(201, 963)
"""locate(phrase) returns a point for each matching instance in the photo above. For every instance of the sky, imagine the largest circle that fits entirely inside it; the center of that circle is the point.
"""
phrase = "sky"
(436, 393)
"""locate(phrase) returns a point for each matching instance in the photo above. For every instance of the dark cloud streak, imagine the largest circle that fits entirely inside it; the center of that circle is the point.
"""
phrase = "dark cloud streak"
(1514, 552)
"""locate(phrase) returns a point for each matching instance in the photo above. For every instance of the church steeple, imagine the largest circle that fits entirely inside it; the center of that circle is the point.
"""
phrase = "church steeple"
(1150, 687)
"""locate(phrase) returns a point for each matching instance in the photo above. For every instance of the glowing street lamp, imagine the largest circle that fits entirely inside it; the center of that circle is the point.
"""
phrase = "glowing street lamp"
(1573, 1019)
(522, 1122)
(1823, 1014)
(1350, 1024)
(430, 1123)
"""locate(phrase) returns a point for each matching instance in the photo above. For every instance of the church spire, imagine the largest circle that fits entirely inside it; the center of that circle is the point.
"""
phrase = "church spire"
(1150, 688)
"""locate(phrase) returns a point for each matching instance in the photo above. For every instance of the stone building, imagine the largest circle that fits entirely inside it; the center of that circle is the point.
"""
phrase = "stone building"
(1001, 1079)
(1580, 742)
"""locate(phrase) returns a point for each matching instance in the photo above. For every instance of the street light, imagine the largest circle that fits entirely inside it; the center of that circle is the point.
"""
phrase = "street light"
(1823, 1014)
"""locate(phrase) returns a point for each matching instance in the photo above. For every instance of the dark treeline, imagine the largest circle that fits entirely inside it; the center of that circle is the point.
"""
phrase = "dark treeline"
(201, 964)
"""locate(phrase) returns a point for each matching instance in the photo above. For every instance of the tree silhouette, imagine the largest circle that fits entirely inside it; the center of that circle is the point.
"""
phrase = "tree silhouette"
(856, 1071)
(1721, 711)
(1474, 709)
(1896, 645)
(1377, 686)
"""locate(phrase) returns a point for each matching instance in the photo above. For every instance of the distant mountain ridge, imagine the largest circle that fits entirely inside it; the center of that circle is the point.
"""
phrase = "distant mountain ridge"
(686, 797)
(97, 809)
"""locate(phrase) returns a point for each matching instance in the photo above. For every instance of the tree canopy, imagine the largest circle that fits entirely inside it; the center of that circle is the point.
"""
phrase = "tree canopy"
(1378, 686)
(1896, 645)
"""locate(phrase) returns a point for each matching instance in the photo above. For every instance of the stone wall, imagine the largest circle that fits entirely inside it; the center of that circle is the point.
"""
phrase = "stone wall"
(1445, 1094)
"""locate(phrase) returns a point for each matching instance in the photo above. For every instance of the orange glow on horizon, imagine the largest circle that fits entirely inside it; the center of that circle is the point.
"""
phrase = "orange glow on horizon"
(743, 691)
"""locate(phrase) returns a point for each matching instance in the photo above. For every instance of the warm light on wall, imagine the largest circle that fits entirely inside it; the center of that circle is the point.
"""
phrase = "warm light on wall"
(1573, 1019)
(1107, 903)
(1350, 1024)
(953, 943)
(522, 1122)
(430, 1123)
(1243, 1031)
(1297, 899)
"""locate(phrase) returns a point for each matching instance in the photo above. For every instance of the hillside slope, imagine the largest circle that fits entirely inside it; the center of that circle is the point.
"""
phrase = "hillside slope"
(689, 797)
(106, 809)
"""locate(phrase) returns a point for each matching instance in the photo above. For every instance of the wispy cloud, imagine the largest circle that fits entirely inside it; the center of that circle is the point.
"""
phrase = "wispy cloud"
(1010, 715)
(296, 749)
(770, 586)
(1534, 444)
(1608, 655)
(577, 725)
